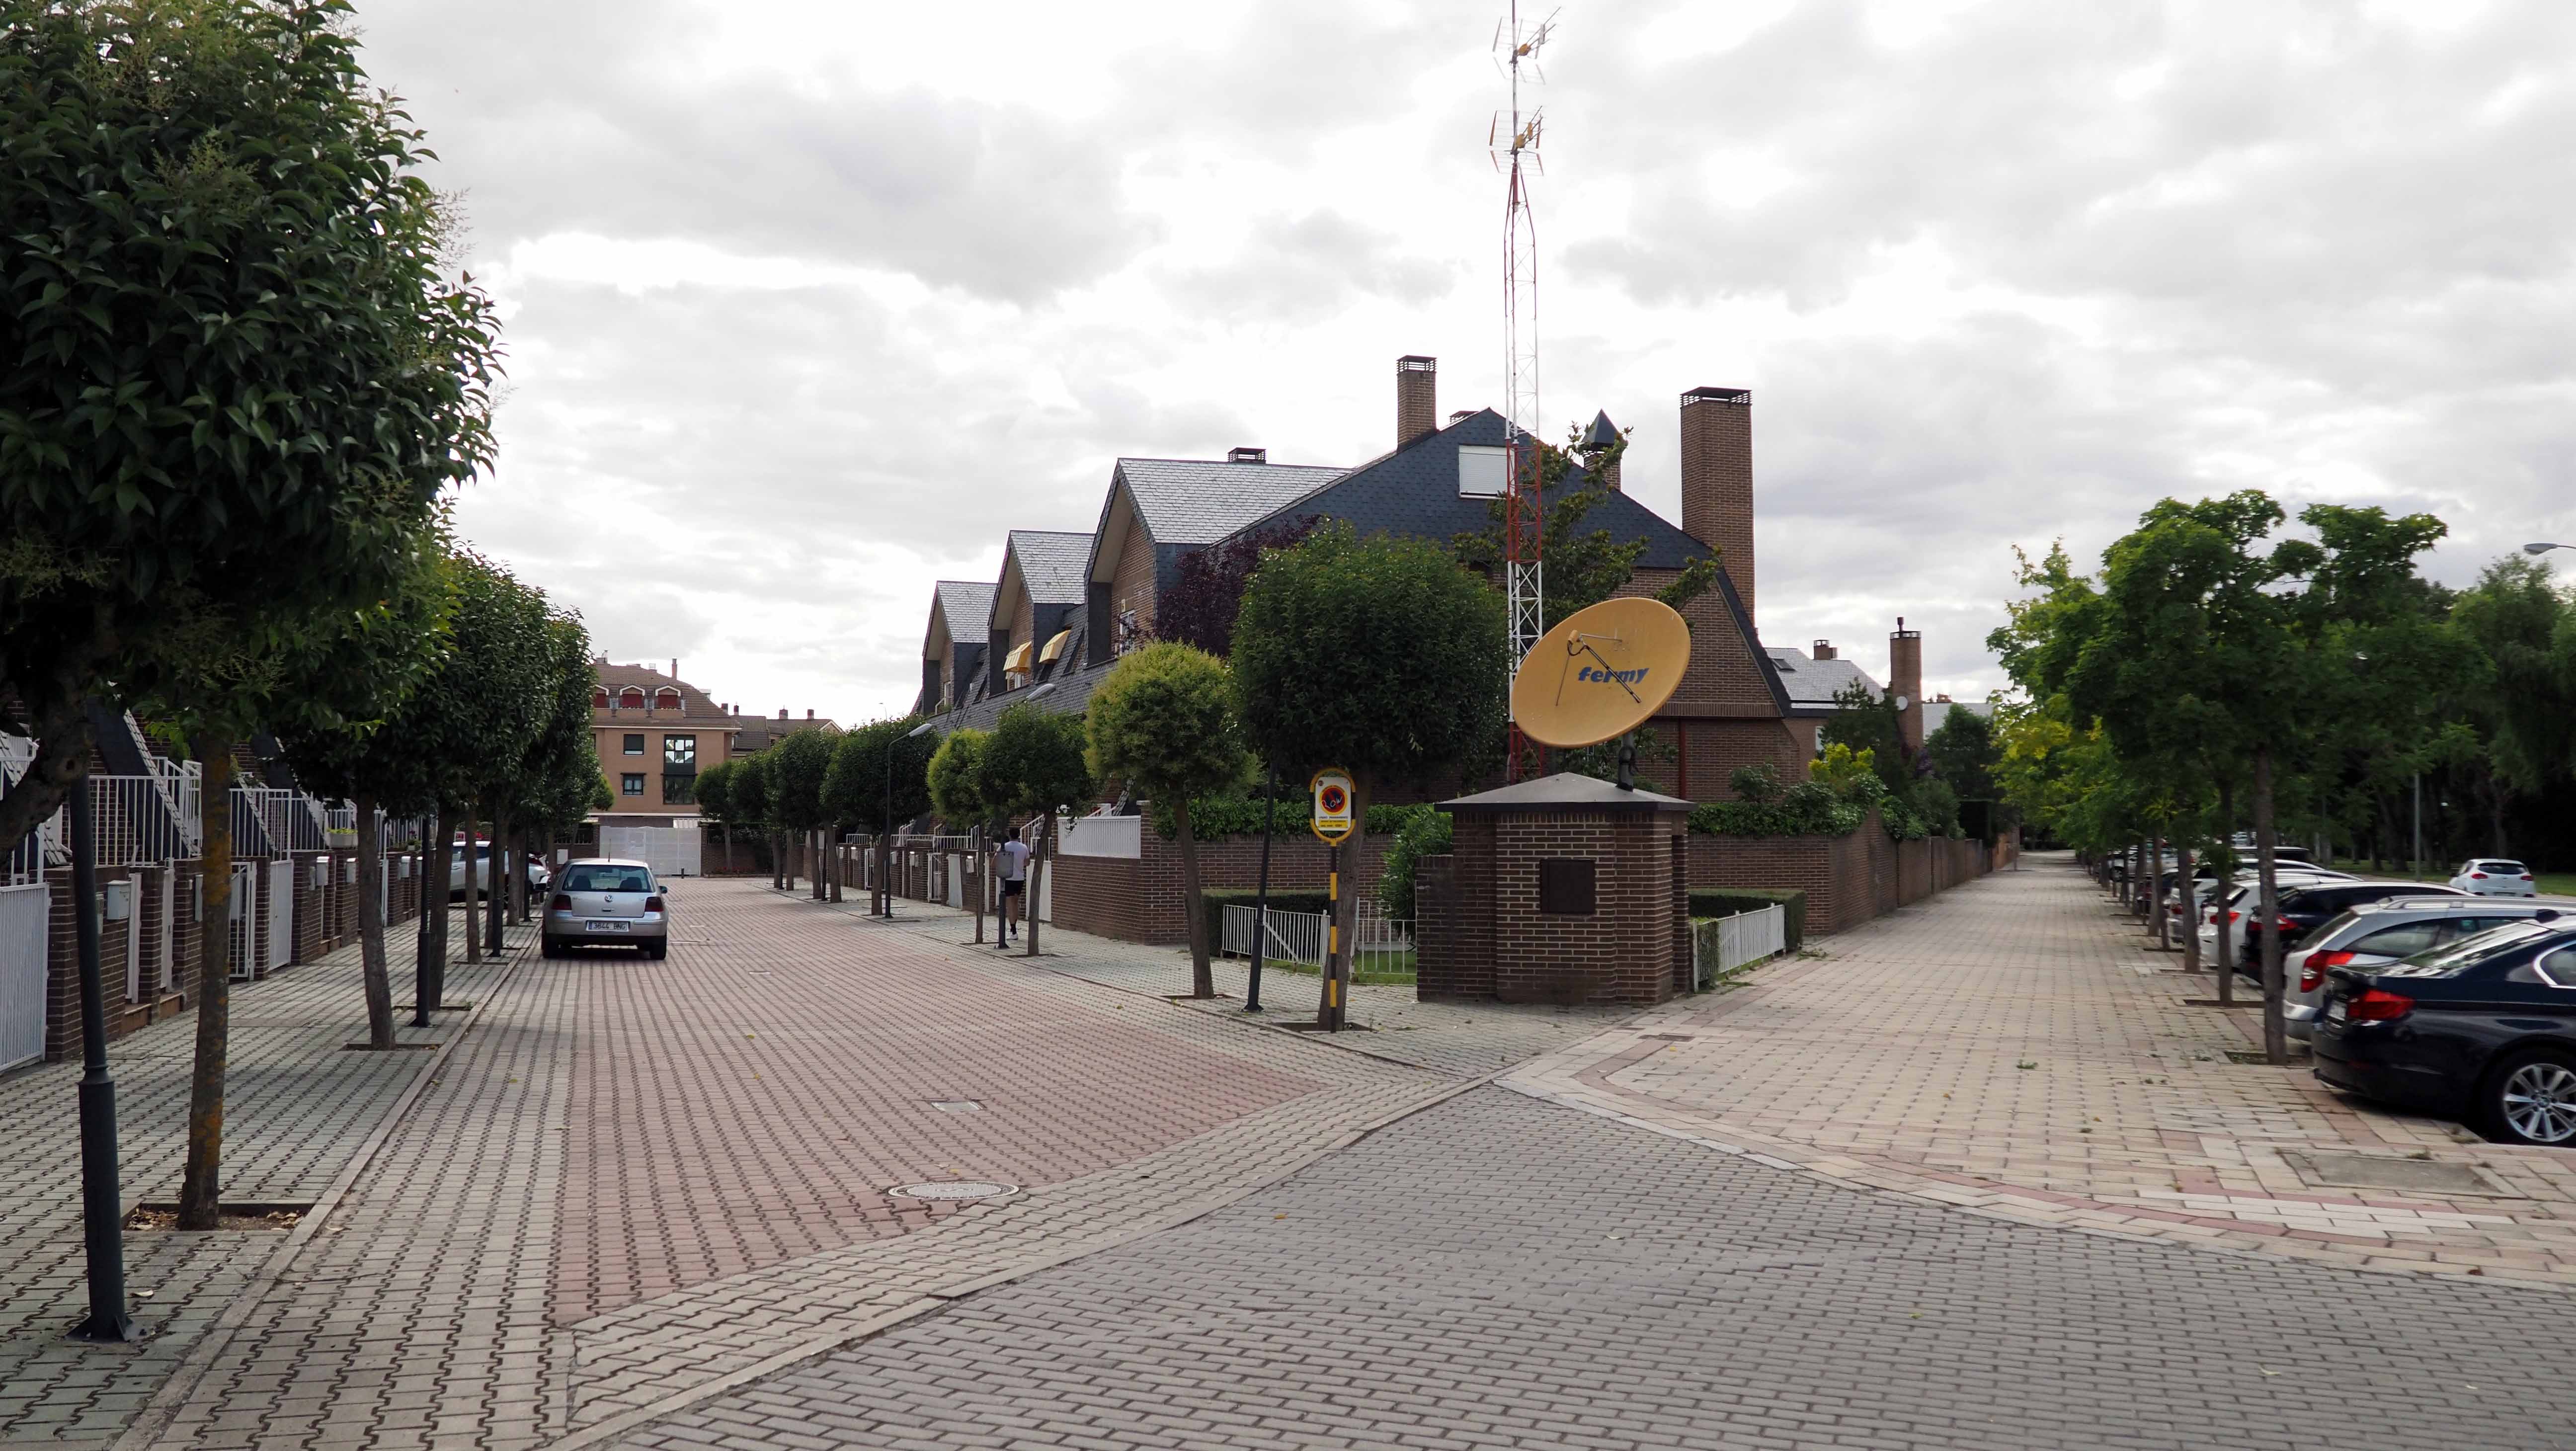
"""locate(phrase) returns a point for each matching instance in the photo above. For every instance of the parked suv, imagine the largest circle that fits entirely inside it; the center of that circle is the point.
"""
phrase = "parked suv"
(606, 902)
(2495, 876)
(2475, 1031)
(2375, 935)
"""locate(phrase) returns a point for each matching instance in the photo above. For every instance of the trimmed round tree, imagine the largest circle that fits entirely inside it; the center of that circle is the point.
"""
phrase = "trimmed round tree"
(1164, 722)
(1034, 766)
(1381, 656)
(797, 765)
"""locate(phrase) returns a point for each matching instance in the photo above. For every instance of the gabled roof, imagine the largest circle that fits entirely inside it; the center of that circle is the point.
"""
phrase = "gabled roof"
(695, 704)
(1412, 492)
(1200, 501)
(1813, 684)
(1051, 565)
(967, 606)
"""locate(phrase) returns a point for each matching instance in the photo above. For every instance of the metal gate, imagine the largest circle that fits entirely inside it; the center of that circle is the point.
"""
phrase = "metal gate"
(243, 923)
(671, 851)
(24, 913)
(280, 941)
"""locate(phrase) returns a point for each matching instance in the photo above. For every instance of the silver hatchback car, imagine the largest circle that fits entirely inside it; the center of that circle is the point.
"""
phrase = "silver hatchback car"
(606, 902)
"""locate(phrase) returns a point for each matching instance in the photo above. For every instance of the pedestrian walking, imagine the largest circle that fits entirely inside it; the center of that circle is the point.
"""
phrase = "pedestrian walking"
(1013, 854)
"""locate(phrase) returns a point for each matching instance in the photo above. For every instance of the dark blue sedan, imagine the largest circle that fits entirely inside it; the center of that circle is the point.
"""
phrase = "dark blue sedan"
(2483, 1030)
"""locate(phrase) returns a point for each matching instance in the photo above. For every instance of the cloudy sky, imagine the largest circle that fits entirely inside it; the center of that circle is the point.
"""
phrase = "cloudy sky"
(807, 301)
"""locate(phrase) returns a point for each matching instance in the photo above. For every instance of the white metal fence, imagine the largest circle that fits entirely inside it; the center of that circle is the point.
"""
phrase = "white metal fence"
(1300, 937)
(1719, 945)
(25, 914)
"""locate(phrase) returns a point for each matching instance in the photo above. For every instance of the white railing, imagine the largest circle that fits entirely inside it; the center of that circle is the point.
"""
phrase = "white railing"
(134, 821)
(1119, 838)
(293, 820)
(1300, 937)
(51, 845)
(1720, 945)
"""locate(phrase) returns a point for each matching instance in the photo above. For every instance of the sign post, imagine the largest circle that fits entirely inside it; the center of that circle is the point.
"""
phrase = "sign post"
(1333, 823)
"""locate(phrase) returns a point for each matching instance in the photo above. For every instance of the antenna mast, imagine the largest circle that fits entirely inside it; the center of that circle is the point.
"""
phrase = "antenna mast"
(1515, 141)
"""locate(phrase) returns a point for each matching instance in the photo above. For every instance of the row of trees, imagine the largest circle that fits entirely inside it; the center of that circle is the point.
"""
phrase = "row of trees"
(2217, 673)
(245, 372)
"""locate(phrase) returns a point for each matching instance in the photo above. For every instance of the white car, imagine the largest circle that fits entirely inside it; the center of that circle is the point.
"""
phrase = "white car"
(2239, 900)
(2495, 876)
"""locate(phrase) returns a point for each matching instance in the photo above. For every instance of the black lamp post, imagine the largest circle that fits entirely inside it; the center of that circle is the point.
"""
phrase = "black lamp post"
(102, 1213)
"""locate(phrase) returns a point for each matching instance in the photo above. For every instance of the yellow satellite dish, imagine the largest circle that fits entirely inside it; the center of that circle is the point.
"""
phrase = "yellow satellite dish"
(1601, 672)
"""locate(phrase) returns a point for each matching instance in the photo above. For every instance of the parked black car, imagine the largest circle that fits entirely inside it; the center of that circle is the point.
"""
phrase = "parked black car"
(2483, 1030)
(2309, 908)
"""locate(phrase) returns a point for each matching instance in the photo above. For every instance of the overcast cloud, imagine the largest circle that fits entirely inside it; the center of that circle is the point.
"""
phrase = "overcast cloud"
(807, 304)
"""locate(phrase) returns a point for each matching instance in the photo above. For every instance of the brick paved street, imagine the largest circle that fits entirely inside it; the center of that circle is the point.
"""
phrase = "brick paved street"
(2012, 1046)
(1499, 1272)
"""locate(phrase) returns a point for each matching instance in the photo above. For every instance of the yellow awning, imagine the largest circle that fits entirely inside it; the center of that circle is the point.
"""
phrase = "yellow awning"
(1018, 660)
(1054, 647)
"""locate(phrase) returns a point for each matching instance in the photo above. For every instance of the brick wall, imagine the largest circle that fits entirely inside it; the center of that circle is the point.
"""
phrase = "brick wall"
(1848, 879)
(1483, 934)
(1140, 900)
(62, 968)
(311, 921)
(723, 852)
(1724, 677)
(1131, 586)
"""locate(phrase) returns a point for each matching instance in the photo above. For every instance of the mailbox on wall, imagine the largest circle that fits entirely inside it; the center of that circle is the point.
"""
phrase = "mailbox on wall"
(116, 901)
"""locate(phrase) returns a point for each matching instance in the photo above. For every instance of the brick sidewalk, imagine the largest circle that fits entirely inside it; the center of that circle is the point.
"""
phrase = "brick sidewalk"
(2010, 1046)
(297, 1109)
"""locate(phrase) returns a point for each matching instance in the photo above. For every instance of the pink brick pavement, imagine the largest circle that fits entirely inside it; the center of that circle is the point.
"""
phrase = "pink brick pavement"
(750, 1099)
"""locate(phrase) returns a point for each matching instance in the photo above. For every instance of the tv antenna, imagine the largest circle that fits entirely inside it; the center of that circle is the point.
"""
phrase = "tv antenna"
(1513, 139)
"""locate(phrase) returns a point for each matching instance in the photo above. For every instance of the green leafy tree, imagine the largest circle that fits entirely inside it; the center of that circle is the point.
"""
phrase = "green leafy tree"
(1963, 753)
(1380, 656)
(794, 769)
(1164, 722)
(241, 370)
(1034, 766)
(956, 778)
(879, 779)
(747, 792)
(2525, 714)
(395, 649)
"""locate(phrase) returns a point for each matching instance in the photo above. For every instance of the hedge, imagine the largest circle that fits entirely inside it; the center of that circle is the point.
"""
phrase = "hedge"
(1726, 902)
(1216, 818)
(1281, 900)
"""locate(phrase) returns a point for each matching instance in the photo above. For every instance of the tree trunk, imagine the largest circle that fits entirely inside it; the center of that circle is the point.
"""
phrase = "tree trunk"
(62, 750)
(822, 889)
(429, 974)
(473, 892)
(2156, 894)
(1193, 902)
(2276, 1038)
(200, 1191)
(840, 857)
(2189, 916)
(371, 926)
(2225, 967)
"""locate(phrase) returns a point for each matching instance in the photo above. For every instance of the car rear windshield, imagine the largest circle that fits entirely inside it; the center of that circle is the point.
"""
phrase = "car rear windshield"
(2472, 950)
(607, 879)
(2513, 869)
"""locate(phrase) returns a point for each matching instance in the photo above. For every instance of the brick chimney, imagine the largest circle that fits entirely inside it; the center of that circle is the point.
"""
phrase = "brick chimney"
(1717, 478)
(1825, 651)
(1417, 391)
(1905, 679)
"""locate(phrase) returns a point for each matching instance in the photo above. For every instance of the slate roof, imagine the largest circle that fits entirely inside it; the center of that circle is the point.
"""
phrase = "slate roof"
(1812, 684)
(1413, 492)
(967, 605)
(1052, 562)
(1200, 501)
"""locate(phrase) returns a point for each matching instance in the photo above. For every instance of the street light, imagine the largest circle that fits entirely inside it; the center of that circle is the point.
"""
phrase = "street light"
(885, 848)
(2542, 547)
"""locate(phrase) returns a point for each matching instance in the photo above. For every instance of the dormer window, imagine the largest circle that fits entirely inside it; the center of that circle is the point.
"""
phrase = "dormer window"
(666, 699)
(599, 698)
(1482, 471)
(631, 698)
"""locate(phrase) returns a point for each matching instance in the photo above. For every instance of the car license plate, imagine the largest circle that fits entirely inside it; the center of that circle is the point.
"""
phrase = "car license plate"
(599, 926)
(2334, 1011)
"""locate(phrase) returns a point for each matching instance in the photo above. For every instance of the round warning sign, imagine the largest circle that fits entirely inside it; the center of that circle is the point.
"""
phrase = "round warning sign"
(1332, 788)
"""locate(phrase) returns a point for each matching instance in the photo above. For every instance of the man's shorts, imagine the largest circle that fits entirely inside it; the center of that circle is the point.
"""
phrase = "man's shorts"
(1011, 888)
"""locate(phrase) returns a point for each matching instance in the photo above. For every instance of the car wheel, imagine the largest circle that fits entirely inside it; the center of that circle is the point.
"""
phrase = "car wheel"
(2531, 1099)
(658, 951)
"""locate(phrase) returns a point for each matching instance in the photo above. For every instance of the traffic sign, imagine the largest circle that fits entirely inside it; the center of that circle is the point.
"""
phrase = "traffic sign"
(1332, 788)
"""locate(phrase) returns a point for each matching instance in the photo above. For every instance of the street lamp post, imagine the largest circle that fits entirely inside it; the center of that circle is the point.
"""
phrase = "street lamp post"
(885, 849)
(2543, 547)
(102, 1216)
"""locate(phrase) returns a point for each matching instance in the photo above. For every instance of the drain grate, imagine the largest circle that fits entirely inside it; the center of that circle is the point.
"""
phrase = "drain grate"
(954, 1189)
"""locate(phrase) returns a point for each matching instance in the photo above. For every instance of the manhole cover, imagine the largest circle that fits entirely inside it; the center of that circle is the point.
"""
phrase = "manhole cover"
(955, 1189)
(2377, 1171)
(957, 1105)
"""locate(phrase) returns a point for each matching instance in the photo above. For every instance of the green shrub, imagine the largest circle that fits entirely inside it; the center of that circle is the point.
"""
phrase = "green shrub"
(1214, 818)
(1727, 901)
(1425, 832)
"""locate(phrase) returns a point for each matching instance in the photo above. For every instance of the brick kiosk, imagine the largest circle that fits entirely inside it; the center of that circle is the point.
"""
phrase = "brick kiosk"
(1565, 889)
